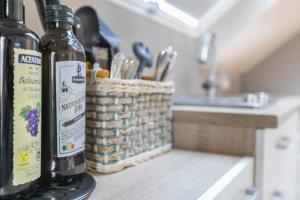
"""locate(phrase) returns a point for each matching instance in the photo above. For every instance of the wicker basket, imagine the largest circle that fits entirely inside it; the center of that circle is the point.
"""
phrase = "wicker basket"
(128, 121)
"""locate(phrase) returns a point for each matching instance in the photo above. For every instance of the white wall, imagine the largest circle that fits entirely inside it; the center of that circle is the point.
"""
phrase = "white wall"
(278, 74)
(243, 13)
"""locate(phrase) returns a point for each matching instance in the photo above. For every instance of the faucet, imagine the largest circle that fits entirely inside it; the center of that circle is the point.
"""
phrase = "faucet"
(208, 55)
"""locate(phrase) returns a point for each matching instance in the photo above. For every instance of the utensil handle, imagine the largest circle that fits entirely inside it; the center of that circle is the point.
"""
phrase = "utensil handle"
(2, 64)
(140, 70)
(42, 6)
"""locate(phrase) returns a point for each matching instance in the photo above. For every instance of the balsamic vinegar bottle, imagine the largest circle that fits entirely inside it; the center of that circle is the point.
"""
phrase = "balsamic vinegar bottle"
(64, 85)
(20, 103)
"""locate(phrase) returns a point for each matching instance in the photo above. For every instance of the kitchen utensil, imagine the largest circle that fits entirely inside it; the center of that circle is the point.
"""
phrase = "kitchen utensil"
(41, 5)
(161, 64)
(148, 78)
(165, 64)
(144, 55)
(91, 60)
(97, 36)
(129, 68)
(168, 75)
(101, 73)
(116, 65)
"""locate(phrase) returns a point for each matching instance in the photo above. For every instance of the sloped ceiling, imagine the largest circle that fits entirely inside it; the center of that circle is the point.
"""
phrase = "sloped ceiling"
(261, 38)
(252, 32)
(206, 11)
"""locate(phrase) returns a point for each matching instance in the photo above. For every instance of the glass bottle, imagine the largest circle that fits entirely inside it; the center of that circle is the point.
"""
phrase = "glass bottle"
(20, 103)
(64, 85)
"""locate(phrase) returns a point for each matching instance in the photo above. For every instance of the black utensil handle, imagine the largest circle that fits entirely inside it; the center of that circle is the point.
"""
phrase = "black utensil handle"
(42, 5)
(2, 60)
(140, 70)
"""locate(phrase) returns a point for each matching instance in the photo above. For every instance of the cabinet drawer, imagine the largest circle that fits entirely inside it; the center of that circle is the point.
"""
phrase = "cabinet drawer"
(276, 163)
(234, 184)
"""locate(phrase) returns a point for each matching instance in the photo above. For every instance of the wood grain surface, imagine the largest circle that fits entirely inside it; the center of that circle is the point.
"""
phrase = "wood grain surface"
(177, 175)
(230, 140)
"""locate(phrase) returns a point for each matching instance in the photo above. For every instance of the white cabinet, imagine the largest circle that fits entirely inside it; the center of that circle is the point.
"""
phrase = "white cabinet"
(276, 164)
(298, 172)
(270, 135)
(234, 184)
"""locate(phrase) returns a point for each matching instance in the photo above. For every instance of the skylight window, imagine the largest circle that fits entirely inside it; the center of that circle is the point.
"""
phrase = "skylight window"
(175, 12)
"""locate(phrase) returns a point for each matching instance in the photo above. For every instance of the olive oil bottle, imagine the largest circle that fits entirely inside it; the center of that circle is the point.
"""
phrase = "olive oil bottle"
(64, 86)
(20, 103)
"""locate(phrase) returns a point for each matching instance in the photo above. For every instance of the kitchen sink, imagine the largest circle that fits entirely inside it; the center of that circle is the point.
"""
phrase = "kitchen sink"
(254, 101)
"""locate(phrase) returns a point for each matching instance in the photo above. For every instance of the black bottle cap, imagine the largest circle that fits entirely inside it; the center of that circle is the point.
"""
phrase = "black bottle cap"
(59, 13)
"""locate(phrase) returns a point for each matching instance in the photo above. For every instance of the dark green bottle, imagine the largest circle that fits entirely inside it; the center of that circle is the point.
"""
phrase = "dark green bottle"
(20, 103)
(64, 85)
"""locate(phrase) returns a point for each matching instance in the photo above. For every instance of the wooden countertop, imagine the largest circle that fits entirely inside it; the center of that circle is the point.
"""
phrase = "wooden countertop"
(176, 175)
(269, 117)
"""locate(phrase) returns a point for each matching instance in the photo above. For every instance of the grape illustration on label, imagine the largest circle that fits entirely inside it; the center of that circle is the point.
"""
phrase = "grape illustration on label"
(32, 116)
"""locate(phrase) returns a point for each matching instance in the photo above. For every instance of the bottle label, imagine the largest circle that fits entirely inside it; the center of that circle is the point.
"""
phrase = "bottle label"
(27, 116)
(70, 99)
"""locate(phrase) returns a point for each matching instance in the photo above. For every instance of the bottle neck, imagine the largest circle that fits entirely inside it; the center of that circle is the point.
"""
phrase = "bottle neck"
(59, 26)
(12, 10)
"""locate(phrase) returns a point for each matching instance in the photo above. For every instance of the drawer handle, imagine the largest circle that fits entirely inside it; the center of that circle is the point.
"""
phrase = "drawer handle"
(283, 143)
(253, 193)
(278, 195)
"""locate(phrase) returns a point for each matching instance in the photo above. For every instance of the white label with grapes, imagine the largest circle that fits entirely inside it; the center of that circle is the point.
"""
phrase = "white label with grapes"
(70, 99)
(27, 116)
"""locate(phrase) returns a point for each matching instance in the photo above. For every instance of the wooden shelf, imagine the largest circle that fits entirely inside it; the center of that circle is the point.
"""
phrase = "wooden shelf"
(175, 175)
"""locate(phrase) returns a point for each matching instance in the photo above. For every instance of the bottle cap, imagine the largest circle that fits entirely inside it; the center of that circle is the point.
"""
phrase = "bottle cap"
(59, 13)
